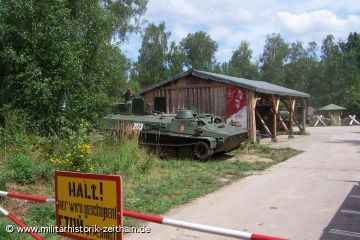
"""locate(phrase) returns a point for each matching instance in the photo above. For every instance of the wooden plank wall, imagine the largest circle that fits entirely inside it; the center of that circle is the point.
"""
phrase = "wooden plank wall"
(206, 95)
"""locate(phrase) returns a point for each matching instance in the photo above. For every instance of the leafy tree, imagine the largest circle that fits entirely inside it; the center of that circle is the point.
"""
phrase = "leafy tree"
(217, 68)
(352, 48)
(116, 68)
(240, 64)
(225, 68)
(297, 67)
(199, 50)
(273, 59)
(55, 56)
(329, 88)
(40, 56)
(351, 69)
(352, 100)
(313, 70)
(151, 66)
(175, 60)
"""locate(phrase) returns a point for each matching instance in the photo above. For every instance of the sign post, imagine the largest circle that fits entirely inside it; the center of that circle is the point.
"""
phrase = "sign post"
(88, 206)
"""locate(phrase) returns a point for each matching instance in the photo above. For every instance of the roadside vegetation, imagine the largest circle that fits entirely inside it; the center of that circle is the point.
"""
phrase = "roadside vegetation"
(150, 184)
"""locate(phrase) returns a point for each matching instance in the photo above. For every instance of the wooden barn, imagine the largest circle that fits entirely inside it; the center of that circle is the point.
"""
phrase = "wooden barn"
(249, 104)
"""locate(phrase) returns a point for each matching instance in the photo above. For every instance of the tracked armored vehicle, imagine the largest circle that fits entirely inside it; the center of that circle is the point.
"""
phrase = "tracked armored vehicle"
(185, 134)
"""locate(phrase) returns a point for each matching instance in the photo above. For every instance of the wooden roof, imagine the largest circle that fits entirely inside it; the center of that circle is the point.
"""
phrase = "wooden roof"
(254, 85)
(331, 107)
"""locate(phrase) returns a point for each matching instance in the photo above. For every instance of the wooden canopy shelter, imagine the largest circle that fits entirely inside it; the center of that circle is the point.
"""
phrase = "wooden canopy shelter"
(236, 100)
(333, 111)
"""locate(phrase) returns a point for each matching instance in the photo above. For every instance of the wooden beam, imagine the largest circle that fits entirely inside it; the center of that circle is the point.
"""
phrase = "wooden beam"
(275, 101)
(304, 117)
(263, 124)
(281, 120)
(298, 124)
(251, 116)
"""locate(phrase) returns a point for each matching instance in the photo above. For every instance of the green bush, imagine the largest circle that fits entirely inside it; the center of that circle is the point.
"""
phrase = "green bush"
(124, 158)
(74, 158)
(21, 169)
(13, 129)
(44, 171)
(72, 150)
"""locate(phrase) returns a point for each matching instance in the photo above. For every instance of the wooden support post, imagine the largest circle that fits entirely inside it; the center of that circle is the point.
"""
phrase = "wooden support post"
(275, 101)
(304, 117)
(251, 116)
(291, 109)
(262, 122)
(290, 106)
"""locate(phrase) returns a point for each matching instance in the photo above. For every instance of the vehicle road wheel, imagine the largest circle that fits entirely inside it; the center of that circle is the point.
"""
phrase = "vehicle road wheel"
(202, 151)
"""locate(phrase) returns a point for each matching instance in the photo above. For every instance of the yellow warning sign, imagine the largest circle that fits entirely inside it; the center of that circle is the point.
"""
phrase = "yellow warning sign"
(88, 206)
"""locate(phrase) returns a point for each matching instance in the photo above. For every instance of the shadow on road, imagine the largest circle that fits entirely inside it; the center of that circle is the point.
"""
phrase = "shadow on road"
(345, 225)
(353, 142)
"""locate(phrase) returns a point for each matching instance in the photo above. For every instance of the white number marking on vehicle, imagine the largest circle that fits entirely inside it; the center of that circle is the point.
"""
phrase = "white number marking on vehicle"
(138, 126)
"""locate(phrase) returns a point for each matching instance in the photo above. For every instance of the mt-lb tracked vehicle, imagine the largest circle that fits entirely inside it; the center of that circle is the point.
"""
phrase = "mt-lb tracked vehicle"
(186, 132)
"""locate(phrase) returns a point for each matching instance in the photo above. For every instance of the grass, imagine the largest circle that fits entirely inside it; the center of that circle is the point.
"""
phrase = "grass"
(150, 185)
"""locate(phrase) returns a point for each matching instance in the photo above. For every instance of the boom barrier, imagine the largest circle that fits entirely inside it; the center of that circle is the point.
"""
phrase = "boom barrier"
(151, 218)
(19, 223)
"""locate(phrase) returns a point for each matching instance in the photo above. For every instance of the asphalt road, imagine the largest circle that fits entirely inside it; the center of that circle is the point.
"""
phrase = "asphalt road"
(314, 195)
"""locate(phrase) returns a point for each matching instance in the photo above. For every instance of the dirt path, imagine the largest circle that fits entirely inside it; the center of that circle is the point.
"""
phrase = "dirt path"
(311, 196)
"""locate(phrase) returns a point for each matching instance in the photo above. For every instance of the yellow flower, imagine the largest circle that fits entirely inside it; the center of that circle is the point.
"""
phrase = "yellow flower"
(84, 148)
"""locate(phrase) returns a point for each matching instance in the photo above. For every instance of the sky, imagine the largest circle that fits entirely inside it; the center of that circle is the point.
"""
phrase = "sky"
(229, 22)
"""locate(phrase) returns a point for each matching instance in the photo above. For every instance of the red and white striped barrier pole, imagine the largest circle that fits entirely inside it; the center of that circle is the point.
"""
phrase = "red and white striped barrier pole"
(27, 197)
(19, 223)
(199, 227)
(163, 220)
